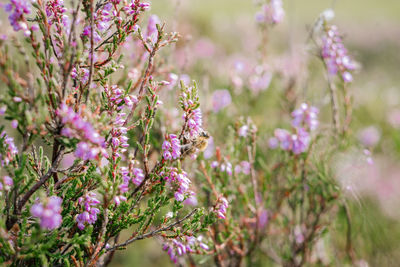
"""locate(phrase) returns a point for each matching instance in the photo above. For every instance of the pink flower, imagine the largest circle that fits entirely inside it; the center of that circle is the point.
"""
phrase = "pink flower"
(369, 136)
(243, 131)
(180, 180)
(10, 149)
(49, 213)
(305, 116)
(221, 99)
(335, 55)
(272, 12)
(221, 207)
(91, 143)
(89, 215)
(171, 147)
(3, 110)
(14, 124)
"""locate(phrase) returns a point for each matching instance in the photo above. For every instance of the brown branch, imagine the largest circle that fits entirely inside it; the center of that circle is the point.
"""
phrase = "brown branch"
(42, 180)
(153, 233)
(146, 76)
(11, 221)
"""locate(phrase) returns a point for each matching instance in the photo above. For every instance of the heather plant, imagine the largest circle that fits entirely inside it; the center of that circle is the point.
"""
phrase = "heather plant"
(91, 158)
(282, 193)
(106, 141)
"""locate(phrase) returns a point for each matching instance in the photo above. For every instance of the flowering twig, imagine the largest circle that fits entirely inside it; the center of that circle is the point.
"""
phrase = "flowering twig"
(152, 233)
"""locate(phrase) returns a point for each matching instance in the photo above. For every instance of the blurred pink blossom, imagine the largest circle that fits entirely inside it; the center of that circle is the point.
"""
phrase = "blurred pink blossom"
(221, 99)
(369, 136)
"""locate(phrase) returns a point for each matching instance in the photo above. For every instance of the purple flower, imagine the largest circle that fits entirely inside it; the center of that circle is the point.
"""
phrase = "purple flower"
(14, 124)
(262, 218)
(171, 147)
(221, 99)
(260, 82)
(243, 131)
(117, 199)
(85, 151)
(273, 142)
(272, 12)
(300, 141)
(305, 116)
(10, 149)
(16, 10)
(226, 167)
(55, 12)
(214, 164)
(189, 101)
(194, 122)
(89, 215)
(7, 183)
(191, 200)
(3, 110)
(87, 32)
(49, 213)
(91, 143)
(138, 176)
(335, 55)
(245, 167)
(180, 246)
(369, 136)
(179, 180)
(221, 207)
(284, 138)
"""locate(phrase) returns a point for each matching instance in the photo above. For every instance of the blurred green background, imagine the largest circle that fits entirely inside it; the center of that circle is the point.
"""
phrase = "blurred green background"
(372, 34)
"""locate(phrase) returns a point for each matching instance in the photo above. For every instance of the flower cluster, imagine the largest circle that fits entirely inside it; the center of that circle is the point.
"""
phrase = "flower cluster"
(81, 74)
(244, 74)
(55, 12)
(136, 176)
(116, 98)
(189, 100)
(75, 126)
(134, 7)
(335, 55)
(244, 167)
(305, 116)
(297, 142)
(89, 216)
(272, 12)
(10, 150)
(223, 167)
(119, 140)
(220, 207)
(16, 10)
(103, 17)
(116, 102)
(171, 147)
(180, 180)
(304, 119)
(6, 184)
(194, 121)
(178, 247)
(49, 213)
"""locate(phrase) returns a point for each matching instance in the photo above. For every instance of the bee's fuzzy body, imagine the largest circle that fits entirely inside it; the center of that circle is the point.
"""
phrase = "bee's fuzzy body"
(198, 143)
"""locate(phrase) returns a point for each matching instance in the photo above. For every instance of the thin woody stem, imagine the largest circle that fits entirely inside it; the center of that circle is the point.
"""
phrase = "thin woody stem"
(152, 233)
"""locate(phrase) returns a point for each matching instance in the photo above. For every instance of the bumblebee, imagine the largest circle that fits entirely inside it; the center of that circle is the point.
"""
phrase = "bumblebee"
(195, 144)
